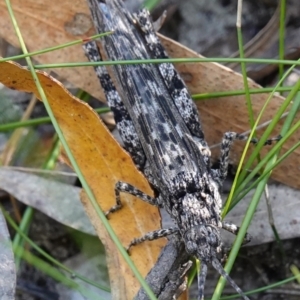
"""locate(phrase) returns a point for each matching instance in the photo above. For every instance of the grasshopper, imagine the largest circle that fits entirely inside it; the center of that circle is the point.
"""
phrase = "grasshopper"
(160, 127)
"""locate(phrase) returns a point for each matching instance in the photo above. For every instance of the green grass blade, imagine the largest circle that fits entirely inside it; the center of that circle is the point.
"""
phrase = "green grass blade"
(167, 60)
(281, 35)
(30, 54)
(46, 255)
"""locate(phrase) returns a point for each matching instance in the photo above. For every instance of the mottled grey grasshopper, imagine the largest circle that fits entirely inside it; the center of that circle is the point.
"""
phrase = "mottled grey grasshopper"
(160, 127)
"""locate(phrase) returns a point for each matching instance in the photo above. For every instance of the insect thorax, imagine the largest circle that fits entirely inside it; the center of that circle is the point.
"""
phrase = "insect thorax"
(197, 214)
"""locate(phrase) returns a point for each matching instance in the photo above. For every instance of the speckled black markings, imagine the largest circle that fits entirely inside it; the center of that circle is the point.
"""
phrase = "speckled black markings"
(158, 120)
(123, 121)
(174, 83)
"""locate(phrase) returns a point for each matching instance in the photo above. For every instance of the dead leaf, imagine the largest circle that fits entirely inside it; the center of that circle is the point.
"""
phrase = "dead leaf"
(43, 28)
(103, 162)
(51, 197)
(94, 268)
(286, 213)
(7, 266)
(230, 113)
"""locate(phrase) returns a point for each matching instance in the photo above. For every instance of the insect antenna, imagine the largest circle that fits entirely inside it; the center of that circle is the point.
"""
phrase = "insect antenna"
(217, 265)
(201, 280)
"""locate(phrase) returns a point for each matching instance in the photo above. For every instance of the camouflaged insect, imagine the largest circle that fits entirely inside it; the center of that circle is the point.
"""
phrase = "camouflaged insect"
(160, 127)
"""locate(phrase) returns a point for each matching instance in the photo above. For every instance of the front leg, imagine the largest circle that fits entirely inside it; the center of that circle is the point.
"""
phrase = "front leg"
(235, 230)
(153, 235)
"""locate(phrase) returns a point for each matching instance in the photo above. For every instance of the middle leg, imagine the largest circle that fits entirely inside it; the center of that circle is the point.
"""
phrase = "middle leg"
(130, 189)
(228, 138)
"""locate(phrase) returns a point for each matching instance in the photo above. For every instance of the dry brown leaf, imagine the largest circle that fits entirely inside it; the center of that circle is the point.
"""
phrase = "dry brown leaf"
(103, 162)
(230, 113)
(43, 28)
(44, 24)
